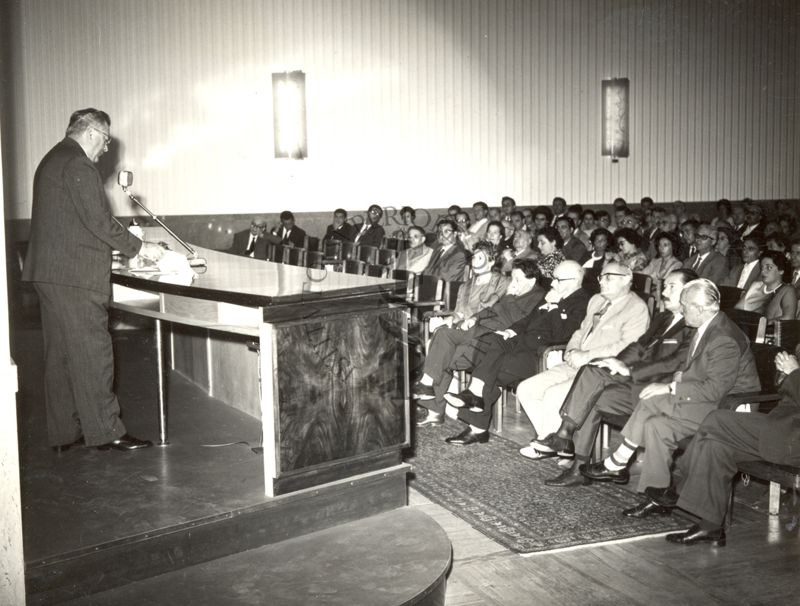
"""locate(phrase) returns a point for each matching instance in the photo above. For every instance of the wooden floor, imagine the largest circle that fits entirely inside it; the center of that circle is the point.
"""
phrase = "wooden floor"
(760, 564)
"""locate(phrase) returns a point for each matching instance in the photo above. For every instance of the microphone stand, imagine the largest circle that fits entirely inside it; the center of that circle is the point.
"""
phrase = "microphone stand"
(192, 251)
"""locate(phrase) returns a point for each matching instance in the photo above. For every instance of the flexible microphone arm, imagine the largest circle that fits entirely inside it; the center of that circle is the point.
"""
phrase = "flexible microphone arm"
(191, 250)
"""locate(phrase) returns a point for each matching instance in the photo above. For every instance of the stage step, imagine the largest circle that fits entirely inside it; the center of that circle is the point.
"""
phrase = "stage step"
(109, 565)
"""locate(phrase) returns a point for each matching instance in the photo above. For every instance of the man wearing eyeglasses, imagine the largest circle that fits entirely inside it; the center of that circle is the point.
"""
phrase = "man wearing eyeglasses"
(69, 262)
(251, 242)
(707, 262)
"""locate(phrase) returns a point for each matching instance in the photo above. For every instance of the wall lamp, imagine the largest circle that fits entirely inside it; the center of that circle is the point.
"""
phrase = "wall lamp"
(289, 114)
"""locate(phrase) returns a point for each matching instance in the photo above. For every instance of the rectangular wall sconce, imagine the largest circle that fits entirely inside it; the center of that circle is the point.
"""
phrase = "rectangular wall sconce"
(289, 114)
(615, 118)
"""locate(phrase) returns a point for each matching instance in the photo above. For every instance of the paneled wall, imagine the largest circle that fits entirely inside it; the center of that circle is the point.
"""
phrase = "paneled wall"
(422, 102)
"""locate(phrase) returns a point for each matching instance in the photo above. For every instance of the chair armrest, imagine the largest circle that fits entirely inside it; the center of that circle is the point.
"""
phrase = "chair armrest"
(437, 314)
(424, 304)
(732, 401)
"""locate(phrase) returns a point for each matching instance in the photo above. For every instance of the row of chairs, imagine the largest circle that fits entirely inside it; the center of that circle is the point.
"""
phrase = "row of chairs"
(337, 252)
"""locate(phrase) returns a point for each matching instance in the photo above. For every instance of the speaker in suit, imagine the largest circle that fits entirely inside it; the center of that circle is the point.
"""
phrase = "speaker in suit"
(69, 262)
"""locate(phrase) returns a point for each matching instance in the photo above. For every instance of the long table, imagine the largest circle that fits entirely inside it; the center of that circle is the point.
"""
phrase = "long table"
(319, 358)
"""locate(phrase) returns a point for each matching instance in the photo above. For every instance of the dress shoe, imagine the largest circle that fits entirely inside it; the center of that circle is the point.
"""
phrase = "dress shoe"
(697, 535)
(65, 447)
(467, 437)
(423, 392)
(465, 399)
(553, 443)
(126, 442)
(599, 473)
(666, 497)
(568, 478)
(432, 419)
(529, 452)
(645, 509)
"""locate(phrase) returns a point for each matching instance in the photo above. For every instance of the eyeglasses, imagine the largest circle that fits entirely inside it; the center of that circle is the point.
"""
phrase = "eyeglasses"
(554, 279)
(106, 136)
(705, 237)
(607, 276)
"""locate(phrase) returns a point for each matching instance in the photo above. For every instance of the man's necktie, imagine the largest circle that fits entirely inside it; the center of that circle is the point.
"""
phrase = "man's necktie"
(596, 317)
(696, 263)
(251, 247)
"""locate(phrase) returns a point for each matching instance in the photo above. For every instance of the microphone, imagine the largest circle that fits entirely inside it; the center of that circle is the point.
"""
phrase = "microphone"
(125, 180)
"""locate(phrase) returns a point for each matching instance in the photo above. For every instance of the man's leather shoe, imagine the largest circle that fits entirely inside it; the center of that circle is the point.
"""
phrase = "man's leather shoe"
(568, 478)
(599, 473)
(645, 509)
(65, 447)
(467, 437)
(666, 497)
(529, 452)
(465, 399)
(423, 392)
(432, 419)
(564, 447)
(697, 535)
(126, 442)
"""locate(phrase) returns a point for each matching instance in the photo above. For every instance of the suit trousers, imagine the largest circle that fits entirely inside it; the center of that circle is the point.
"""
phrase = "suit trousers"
(542, 395)
(78, 366)
(724, 439)
(595, 391)
(658, 424)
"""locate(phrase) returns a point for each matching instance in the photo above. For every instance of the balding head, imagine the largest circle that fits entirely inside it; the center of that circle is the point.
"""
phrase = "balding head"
(615, 280)
(567, 278)
(699, 301)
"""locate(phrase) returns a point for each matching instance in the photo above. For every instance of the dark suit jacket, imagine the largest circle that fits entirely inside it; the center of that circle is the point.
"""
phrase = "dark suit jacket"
(72, 229)
(297, 237)
(722, 363)
(242, 239)
(509, 310)
(759, 230)
(372, 237)
(733, 276)
(575, 250)
(543, 327)
(780, 441)
(656, 355)
(448, 266)
(346, 232)
(714, 267)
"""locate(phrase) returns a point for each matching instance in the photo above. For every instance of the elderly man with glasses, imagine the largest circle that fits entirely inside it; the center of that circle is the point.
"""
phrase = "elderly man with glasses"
(614, 319)
(251, 242)
(706, 262)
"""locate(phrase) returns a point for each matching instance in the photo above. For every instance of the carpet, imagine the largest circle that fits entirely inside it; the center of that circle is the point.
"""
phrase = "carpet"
(502, 494)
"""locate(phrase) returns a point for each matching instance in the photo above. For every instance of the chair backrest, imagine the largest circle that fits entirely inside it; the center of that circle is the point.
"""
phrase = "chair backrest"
(315, 258)
(729, 296)
(295, 256)
(451, 294)
(368, 254)
(786, 334)
(348, 250)
(649, 299)
(352, 266)
(391, 244)
(753, 324)
(377, 271)
(428, 288)
(333, 250)
(641, 283)
(275, 253)
(312, 243)
(387, 256)
(408, 277)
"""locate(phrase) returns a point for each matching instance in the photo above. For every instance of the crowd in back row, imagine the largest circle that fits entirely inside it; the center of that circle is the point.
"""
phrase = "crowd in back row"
(738, 247)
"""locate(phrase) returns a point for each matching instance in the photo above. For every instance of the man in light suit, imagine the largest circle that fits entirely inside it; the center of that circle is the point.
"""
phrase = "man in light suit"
(69, 262)
(719, 362)
(726, 438)
(749, 270)
(707, 262)
(251, 242)
(613, 384)
(449, 258)
(614, 318)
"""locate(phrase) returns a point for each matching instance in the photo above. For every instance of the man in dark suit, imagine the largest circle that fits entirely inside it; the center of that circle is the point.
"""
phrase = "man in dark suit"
(455, 348)
(794, 255)
(340, 229)
(251, 242)
(69, 262)
(747, 272)
(510, 355)
(707, 262)
(573, 249)
(726, 438)
(371, 232)
(753, 220)
(613, 385)
(449, 257)
(719, 362)
(288, 234)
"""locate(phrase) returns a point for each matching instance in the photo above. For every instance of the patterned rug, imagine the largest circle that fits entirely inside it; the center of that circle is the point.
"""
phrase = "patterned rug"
(502, 494)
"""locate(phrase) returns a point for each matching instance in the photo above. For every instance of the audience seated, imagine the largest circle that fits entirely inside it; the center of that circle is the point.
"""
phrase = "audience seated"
(507, 206)
(602, 245)
(573, 248)
(340, 229)
(559, 209)
(251, 242)
(508, 355)
(688, 232)
(614, 318)
(794, 259)
(737, 218)
(288, 234)
(449, 257)
(719, 362)
(588, 225)
(417, 256)
(771, 296)
(454, 348)
(549, 243)
(724, 439)
(521, 250)
(407, 217)
(629, 249)
(753, 220)
(706, 261)
(666, 261)
(729, 246)
(613, 384)
(541, 218)
(723, 217)
(748, 270)
(477, 229)
(371, 233)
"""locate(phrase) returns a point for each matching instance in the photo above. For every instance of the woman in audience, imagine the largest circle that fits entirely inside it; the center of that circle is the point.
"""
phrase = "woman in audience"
(407, 216)
(629, 249)
(522, 250)
(550, 243)
(602, 244)
(667, 249)
(508, 234)
(723, 214)
(729, 246)
(603, 219)
(771, 296)
(416, 257)
(779, 243)
(788, 225)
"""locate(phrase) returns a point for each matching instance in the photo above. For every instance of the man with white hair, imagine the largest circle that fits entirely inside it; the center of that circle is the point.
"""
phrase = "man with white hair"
(614, 318)
(719, 362)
